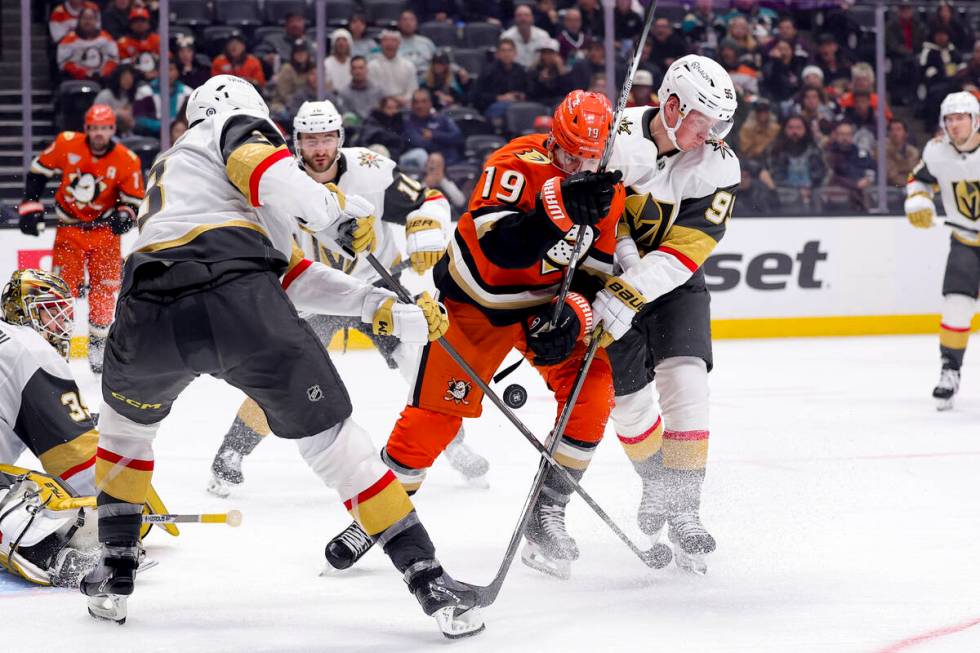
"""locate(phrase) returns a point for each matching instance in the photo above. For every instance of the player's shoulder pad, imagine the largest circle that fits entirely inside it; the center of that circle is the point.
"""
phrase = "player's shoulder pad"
(522, 154)
(634, 153)
(23, 351)
(367, 172)
(937, 149)
(714, 166)
(235, 128)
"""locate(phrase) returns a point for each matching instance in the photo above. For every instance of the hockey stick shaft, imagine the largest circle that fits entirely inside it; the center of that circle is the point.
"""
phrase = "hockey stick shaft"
(233, 518)
(950, 223)
(406, 297)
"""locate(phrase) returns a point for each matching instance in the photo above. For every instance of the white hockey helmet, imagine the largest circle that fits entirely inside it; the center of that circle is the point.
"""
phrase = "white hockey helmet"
(700, 84)
(223, 93)
(319, 117)
(959, 102)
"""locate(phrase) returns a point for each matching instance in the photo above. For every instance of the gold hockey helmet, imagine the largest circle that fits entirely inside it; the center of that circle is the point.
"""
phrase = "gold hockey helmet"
(42, 301)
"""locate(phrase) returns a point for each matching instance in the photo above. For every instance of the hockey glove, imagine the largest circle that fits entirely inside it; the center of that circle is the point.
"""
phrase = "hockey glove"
(615, 307)
(412, 324)
(551, 345)
(583, 198)
(122, 220)
(425, 242)
(31, 218)
(920, 210)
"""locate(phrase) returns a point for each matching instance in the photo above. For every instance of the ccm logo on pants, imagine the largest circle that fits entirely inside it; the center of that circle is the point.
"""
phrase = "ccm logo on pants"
(134, 403)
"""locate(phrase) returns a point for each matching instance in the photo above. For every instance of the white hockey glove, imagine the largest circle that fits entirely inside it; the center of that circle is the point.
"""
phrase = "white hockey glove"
(626, 252)
(920, 210)
(353, 231)
(425, 242)
(614, 307)
(413, 324)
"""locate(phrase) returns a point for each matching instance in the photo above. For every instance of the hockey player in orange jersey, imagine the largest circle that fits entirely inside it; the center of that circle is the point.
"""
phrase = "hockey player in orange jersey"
(498, 280)
(101, 188)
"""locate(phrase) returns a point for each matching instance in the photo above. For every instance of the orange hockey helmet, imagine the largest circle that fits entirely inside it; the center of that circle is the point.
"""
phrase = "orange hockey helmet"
(581, 124)
(100, 114)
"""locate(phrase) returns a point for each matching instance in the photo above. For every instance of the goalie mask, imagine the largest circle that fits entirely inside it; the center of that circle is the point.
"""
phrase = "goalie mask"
(42, 301)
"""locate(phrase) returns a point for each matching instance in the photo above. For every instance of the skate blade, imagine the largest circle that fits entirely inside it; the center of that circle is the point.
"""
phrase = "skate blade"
(108, 607)
(944, 404)
(477, 482)
(145, 564)
(691, 562)
(458, 625)
(535, 558)
(219, 488)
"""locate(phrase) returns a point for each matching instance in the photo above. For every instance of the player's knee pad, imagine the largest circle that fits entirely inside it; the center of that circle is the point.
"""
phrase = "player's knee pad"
(595, 402)
(124, 462)
(682, 383)
(958, 311)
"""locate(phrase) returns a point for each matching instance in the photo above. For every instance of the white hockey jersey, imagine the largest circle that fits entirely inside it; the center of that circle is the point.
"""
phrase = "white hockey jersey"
(956, 175)
(396, 198)
(677, 205)
(229, 190)
(41, 410)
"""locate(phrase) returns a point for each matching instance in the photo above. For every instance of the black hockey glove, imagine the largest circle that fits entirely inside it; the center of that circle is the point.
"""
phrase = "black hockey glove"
(551, 345)
(31, 217)
(585, 196)
(121, 220)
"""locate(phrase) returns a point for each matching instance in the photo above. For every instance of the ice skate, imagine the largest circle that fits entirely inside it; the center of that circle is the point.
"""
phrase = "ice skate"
(549, 548)
(689, 540)
(109, 585)
(71, 565)
(226, 472)
(348, 547)
(652, 513)
(472, 466)
(96, 353)
(453, 604)
(945, 390)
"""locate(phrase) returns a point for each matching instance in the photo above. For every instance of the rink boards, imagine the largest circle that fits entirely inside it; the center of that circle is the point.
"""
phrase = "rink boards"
(769, 277)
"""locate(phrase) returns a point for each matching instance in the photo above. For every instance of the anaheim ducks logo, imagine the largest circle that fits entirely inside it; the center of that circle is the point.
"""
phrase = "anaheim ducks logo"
(560, 253)
(533, 156)
(84, 187)
(967, 194)
(457, 391)
(645, 217)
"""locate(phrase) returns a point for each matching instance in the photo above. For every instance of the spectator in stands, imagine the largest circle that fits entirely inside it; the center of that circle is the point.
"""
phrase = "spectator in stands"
(782, 72)
(290, 79)
(194, 68)
(959, 33)
(141, 45)
(546, 17)
(177, 129)
(744, 77)
(786, 31)
(841, 26)
(594, 64)
(794, 160)
(819, 112)
(363, 45)
(308, 92)
(939, 62)
(667, 45)
(598, 84)
(337, 64)
(761, 19)
(87, 52)
(850, 168)
(740, 33)
(812, 77)
(385, 126)
(146, 109)
(641, 95)
(503, 82)
(835, 66)
(865, 121)
(754, 197)
(361, 95)
(435, 178)
(527, 38)
(437, 10)
(862, 80)
(542, 124)
(904, 36)
(571, 38)
(627, 23)
(593, 22)
(115, 18)
(550, 78)
(758, 132)
(277, 47)
(64, 17)
(703, 27)
(120, 94)
(432, 131)
(447, 83)
(235, 60)
(968, 77)
(394, 74)
(900, 155)
(416, 48)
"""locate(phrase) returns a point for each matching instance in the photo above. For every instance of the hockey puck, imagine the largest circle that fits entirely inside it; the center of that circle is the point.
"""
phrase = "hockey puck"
(515, 395)
(658, 557)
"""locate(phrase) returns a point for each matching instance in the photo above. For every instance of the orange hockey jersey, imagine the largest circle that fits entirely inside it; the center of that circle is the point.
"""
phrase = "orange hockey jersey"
(507, 257)
(91, 187)
(140, 52)
(85, 58)
(63, 19)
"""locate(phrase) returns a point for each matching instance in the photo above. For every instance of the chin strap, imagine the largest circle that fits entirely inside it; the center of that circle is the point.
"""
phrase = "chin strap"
(671, 131)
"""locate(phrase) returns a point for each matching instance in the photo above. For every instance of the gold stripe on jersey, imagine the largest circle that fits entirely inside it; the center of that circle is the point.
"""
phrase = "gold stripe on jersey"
(693, 243)
(197, 231)
(243, 162)
(969, 242)
(953, 338)
(59, 459)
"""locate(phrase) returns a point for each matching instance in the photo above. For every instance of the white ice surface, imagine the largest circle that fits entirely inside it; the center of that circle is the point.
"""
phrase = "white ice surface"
(845, 509)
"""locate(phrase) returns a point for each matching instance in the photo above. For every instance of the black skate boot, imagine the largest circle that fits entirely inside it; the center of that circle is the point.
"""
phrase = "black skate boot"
(945, 390)
(691, 541)
(226, 469)
(109, 585)
(348, 547)
(454, 605)
(471, 465)
(549, 547)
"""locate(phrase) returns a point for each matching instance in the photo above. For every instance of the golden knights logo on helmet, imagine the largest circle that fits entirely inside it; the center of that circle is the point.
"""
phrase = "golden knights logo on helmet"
(967, 194)
(42, 301)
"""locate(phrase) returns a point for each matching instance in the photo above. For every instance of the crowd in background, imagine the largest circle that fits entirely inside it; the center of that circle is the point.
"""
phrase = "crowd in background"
(806, 132)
